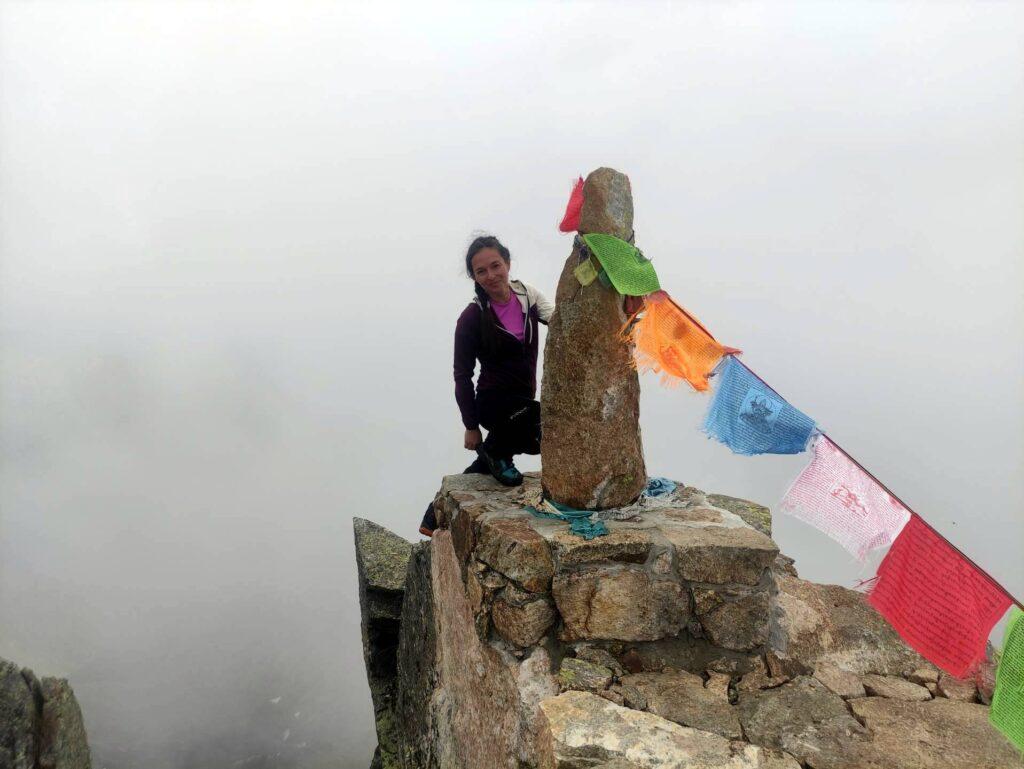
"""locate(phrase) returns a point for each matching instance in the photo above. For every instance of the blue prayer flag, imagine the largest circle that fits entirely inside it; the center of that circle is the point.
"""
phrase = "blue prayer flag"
(751, 418)
(656, 487)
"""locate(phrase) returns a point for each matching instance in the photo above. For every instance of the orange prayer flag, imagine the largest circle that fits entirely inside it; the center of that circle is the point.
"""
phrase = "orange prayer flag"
(671, 342)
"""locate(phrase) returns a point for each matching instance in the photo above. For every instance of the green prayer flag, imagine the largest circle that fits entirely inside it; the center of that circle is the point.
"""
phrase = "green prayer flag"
(1007, 713)
(629, 271)
(585, 272)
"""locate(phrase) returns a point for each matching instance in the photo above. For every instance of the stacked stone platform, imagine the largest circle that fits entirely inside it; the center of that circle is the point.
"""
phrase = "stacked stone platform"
(669, 565)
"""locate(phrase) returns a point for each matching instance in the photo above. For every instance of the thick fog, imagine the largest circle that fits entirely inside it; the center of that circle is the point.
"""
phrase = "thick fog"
(232, 237)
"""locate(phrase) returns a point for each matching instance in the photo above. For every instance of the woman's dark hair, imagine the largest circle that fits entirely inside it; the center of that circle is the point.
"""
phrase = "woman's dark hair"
(479, 244)
(488, 321)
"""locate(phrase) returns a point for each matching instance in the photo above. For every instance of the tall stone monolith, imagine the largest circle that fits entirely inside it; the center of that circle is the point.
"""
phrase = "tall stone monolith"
(591, 452)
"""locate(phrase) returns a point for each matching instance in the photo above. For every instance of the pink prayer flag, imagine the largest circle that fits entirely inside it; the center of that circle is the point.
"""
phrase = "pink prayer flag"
(838, 498)
(939, 602)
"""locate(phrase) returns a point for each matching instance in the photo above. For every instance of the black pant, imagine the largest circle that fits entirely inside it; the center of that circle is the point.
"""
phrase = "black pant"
(513, 427)
(512, 423)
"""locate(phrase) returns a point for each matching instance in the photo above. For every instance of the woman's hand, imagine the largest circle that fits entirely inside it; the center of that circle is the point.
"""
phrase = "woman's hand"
(473, 439)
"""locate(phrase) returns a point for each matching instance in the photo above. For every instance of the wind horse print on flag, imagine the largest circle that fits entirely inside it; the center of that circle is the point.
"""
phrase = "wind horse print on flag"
(938, 601)
(838, 498)
(1007, 713)
(751, 418)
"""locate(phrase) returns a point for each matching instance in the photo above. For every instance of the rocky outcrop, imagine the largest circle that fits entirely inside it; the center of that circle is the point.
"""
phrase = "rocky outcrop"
(827, 624)
(929, 735)
(587, 730)
(803, 718)
(590, 403)
(416, 675)
(823, 731)
(682, 697)
(40, 722)
(461, 701)
(758, 516)
(382, 562)
(680, 639)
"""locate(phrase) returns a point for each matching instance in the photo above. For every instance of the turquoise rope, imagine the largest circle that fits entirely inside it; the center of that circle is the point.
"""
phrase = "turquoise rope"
(579, 521)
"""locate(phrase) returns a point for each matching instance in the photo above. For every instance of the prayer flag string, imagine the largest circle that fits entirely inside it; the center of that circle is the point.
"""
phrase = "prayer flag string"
(670, 341)
(889, 491)
(935, 531)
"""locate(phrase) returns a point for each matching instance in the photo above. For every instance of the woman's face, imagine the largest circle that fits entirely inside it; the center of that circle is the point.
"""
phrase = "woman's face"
(491, 272)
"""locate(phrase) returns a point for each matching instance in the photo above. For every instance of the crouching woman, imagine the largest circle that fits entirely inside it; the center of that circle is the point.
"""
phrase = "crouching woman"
(499, 328)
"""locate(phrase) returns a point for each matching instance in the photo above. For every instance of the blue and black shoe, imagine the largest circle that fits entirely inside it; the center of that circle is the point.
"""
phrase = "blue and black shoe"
(503, 471)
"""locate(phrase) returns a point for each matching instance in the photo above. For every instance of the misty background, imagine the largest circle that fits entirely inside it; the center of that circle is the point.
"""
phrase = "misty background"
(232, 239)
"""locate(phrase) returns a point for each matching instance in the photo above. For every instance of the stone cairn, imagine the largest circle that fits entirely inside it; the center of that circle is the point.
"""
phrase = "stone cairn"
(682, 639)
(591, 454)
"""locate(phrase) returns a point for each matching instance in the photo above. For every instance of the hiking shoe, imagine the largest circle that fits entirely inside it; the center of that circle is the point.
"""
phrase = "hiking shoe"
(429, 522)
(503, 471)
(509, 475)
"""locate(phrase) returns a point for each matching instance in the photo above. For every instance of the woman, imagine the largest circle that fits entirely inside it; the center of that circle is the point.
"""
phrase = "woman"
(499, 329)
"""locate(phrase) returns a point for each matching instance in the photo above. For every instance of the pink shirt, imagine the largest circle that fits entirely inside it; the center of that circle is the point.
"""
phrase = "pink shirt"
(511, 316)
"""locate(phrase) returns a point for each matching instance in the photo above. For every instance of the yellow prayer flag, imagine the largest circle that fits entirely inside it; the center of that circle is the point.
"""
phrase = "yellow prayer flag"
(585, 272)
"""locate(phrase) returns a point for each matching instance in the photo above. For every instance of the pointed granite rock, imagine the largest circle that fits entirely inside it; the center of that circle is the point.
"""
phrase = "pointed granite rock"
(591, 452)
(20, 702)
(40, 722)
(63, 742)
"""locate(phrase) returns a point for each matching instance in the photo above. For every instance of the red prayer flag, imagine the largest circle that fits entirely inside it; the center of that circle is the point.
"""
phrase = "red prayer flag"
(571, 220)
(939, 602)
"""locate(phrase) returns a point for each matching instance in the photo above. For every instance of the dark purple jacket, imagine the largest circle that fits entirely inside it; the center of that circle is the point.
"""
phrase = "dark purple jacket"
(512, 367)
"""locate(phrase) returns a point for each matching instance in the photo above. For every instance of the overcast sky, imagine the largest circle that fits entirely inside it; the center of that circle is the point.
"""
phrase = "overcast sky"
(232, 237)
